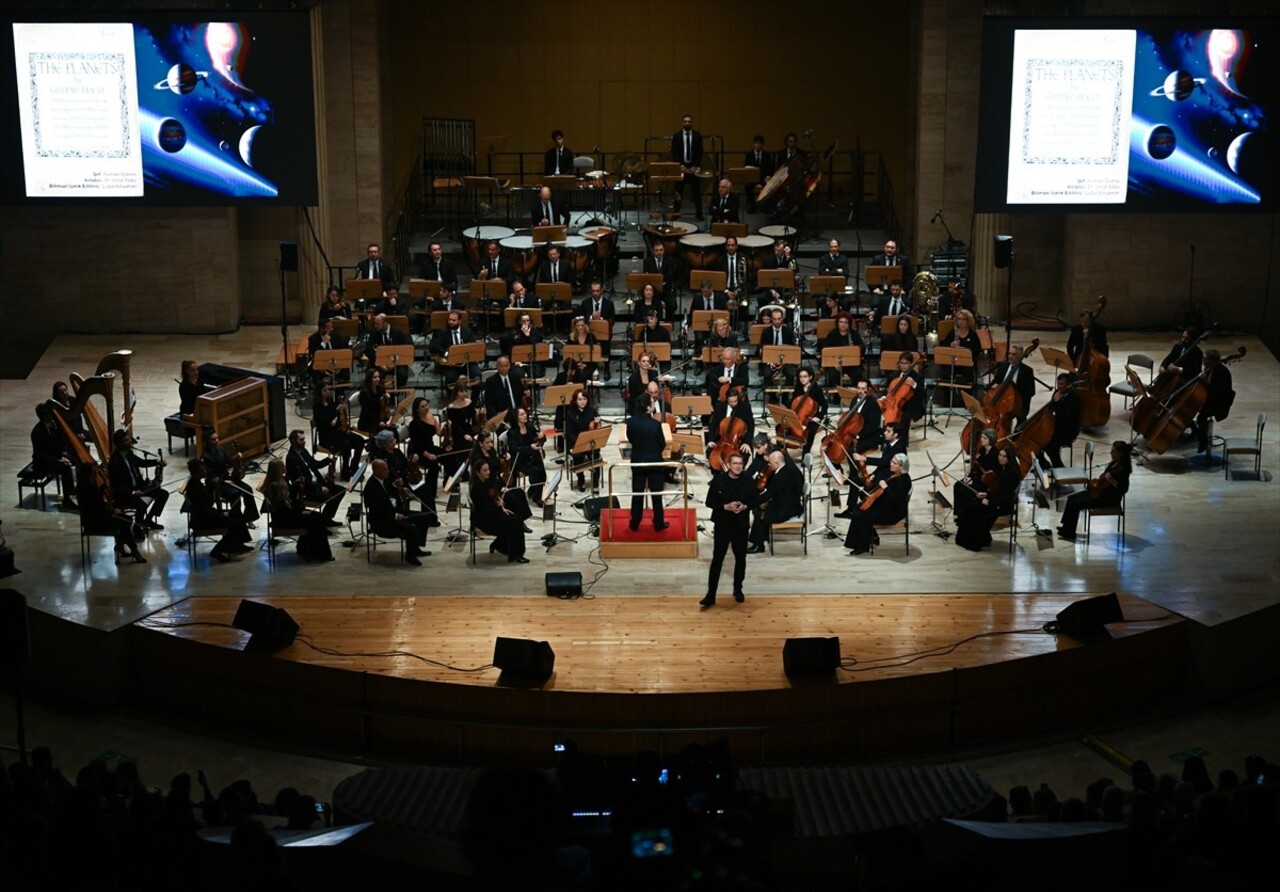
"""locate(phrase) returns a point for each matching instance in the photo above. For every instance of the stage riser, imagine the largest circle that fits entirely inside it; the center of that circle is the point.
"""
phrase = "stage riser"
(377, 715)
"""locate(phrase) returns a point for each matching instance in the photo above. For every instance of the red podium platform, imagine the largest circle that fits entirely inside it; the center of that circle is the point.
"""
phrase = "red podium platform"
(678, 540)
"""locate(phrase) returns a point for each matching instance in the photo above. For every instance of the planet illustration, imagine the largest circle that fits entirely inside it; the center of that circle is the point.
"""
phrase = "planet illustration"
(1178, 86)
(182, 79)
(224, 146)
(246, 144)
(1161, 141)
(171, 135)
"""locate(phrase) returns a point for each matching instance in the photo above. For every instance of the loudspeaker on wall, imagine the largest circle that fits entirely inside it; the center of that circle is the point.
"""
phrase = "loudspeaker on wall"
(289, 256)
(1002, 251)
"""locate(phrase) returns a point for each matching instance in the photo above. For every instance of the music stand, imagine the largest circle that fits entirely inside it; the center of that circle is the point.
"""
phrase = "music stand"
(464, 356)
(390, 356)
(717, 278)
(582, 353)
(590, 441)
(330, 362)
(457, 535)
(549, 235)
(637, 281)
(782, 415)
(821, 286)
(938, 499)
(553, 293)
(833, 494)
(534, 356)
(776, 279)
(702, 319)
(882, 276)
(1057, 358)
(951, 358)
(493, 290)
(687, 448)
(839, 357)
(660, 349)
(691, 407)
(549, 503)
(363, 290)
(725, 230)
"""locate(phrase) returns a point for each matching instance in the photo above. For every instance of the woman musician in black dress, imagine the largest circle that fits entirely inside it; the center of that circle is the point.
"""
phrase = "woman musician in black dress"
(524, 445)
(890, 506)
(424, 450)
(579, 416)
(974, 522)
(491, 512)
(460, 428)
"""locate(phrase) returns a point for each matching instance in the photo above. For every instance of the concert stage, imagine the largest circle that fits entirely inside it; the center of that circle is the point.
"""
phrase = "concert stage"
(922, 672)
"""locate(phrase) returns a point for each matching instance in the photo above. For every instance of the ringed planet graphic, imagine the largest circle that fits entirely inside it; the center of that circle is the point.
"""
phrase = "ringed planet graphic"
(1178, 85)
(182, 79)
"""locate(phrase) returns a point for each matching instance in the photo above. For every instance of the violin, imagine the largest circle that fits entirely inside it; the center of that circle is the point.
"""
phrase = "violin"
(1094, 368)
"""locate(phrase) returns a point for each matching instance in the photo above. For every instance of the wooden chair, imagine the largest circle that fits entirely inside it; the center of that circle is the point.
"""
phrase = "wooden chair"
(799, 523)
(1241, 446)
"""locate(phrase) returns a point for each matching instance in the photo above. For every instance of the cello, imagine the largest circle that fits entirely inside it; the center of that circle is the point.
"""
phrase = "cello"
(1002, 405)
(898, 394)
(1093, 367)
(839, 444)
(1174, 414)
(806, 409)
(732, 430)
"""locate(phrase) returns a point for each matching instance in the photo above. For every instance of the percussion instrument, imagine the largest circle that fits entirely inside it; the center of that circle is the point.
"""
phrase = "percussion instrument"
(577, 253)
(669, 234)
(520, 251)
(582, 220)
(756, 249)
(702, 251)
(605, 238)
(474, 239)
(777, 231)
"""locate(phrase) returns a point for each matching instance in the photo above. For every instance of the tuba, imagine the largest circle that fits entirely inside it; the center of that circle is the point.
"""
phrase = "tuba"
(924, 293)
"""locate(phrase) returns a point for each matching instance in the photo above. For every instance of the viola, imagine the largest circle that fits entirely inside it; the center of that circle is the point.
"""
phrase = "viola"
(1094, 368)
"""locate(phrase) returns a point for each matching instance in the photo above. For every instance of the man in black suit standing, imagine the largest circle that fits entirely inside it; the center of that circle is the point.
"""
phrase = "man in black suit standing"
(730, 498)
(374, 267)
(724, 209)
(644, 432)
(548, 212)
(439, 268)
(762, 160)
(559, 159)
(387, 520)
(504, 392)
(785, 496)
(686, 148)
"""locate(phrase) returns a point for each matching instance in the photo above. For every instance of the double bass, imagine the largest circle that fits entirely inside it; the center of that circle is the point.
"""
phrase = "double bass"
(1147, 406)
(1034, 436)
(1093, 367)
(1002, 405)
(1169, 417)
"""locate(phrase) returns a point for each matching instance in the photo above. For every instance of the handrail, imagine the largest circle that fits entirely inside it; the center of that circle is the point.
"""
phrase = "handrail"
(684, 491)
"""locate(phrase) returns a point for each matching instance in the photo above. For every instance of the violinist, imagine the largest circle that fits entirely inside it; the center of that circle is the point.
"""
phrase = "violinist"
(288, 514)
(389, 519)
(524, 442)
(1105, 491)
(375, 402)
(49, 454)
(983, 461)
(454, 334)
(332, 423)
(504, 392)
(783, 497)
(189, 388)
(761, 446)
(580, 416)
(1221, 395)
(333, 307)
(964, 334)
(889, 507)
(807, 387)
(974, 523)
(305, 473)
(460, 427)
(1065, 406)
(225, 473)
(129, 486)
(387, 448)
(486, 450)
(1019, 376)
(730, 497)
(491, 514)
(844, 334)
(731, 374)
(902, 337)
(206, 514)
(891, 444)
(723, 414)
(1185, 358)
(424, 450)
(1087, 330)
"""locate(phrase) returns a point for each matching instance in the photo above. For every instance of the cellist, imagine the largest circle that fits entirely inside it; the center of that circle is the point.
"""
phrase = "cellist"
(1020, 378)
(725, 412)
(866, 405)
(891, 444)
(896, 406)
(1106, 490)
(732, 373)
(807, 387)
(1065, 406)
(1217, 378)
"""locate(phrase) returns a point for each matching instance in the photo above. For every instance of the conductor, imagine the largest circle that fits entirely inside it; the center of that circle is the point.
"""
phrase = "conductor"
(647, 441)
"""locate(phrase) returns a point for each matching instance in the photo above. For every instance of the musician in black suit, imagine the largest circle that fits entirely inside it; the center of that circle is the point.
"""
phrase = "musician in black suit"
(833, 263)
(375, 267)
(495, 267)
(385, 334)
(128, 484)
(596, 306)
(732, 406)
(779, 259)
(547, 211)
(784, 495)
(554, 268)
(1019, 376)
(732, 371)
(225, 475)
(763, 161)
(386, 519)
(724, 207)
(866, 406)
(301, 467)
(777, 334)
(893, 302)
(522, 298)
(504, 392)
(205, 514)
(658, 262)
(438, 268)
(1089, 330)
(394, 303)
(1185, 357)
(686, 149)
(1221, 396)
(49, 454)
(791, 149)
(891, 256)
(644, 432)
(1065, 406)
(453, 334)
(730, 497)
(734, 266)
(325, 338)
(447, 300)
(907, 376)
(523, 334)
(707, 300)
(558, 159)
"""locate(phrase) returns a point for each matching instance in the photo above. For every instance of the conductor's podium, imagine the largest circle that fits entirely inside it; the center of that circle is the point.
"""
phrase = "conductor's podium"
(679, 540)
